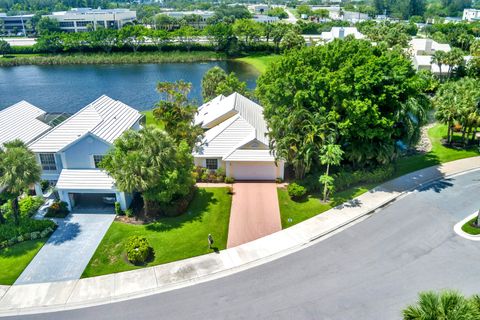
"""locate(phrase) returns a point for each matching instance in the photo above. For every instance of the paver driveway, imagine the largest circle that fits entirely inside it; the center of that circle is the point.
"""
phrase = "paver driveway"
(255, 212)
(69, 249)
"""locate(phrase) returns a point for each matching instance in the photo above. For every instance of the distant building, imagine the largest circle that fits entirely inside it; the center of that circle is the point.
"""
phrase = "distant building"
(471, 15)
(196, 18)
(262, 18)
(15, 25)
(340, 33)
(259, 8)
(78, 19)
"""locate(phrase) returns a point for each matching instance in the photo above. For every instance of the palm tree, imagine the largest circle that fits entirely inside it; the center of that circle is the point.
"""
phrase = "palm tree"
(439, 58)
(331, 154)
(19, 170)
(446, 305)
(453, 59)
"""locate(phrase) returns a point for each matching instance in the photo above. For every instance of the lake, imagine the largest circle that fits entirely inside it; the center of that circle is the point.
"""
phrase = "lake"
(68, 88)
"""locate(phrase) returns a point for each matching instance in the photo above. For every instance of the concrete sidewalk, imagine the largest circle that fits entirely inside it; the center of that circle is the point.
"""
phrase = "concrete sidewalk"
(35, 298)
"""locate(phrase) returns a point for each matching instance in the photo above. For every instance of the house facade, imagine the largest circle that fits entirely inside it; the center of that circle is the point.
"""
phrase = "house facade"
(340, 33)
(236, 139)
(69, 154)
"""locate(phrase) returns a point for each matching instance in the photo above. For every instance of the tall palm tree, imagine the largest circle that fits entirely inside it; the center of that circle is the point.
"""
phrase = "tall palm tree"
(446, 305)
(439, 57)
(19, 170)
(331, 154)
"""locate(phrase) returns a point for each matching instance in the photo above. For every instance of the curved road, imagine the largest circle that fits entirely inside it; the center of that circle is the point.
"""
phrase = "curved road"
(369, 271)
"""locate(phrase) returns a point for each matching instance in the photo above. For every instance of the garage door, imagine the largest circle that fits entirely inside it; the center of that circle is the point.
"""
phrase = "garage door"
(254, 171)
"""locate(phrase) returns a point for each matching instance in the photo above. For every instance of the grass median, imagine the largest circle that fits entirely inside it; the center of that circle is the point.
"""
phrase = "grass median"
(171, 238)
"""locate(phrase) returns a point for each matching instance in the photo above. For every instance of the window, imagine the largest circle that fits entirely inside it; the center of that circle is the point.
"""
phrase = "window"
(212, 164)
(48, 161)
(67, 24)
(84, 23)
(96, 159)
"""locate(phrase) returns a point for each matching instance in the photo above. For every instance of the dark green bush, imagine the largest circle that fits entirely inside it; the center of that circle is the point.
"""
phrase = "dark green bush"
(29, 205)
(9, 230)
(229, 180)
(347, 179)
(118, 209)
(58, 209)
(296, 191)
(138, 250)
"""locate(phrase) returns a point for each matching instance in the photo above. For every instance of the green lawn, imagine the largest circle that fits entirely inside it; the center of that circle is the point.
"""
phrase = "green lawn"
(150, 120)
(293, 212)
(439, 153)
(468, 228)
(311, 206)
(172, 238)
(259, 62)
(13, 260)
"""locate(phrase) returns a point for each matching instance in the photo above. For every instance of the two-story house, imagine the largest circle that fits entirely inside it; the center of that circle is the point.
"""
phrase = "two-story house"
(236, 139)
(70, 152)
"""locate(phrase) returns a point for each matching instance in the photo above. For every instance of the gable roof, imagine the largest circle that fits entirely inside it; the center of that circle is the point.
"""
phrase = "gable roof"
(21, 121)
(233, 122)
(336, 33)
(104, 118)
(422, 44)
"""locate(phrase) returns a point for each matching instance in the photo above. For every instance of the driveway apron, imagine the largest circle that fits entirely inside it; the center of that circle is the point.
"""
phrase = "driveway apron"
(255, 212)
(68, 251)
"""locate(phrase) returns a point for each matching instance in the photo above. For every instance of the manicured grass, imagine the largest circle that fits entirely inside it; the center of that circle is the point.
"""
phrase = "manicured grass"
(468, 228)
(150, 119)
(259, 62)
(172, 238)
(13, 260)
(293, 212)
(438, 154)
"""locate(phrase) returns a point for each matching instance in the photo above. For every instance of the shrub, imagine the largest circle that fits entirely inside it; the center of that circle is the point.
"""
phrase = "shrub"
(10, 231)
(229, 180)
(29, 205)
(178, 206)
(278, 180)
(44, 184)
(118, 209)
(220, 174)
(347, 179)
(129, 212)
(296, 191)
(58, 209)
(138, 250)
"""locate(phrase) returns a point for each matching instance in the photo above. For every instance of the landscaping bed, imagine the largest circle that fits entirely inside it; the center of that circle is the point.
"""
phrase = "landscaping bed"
(172, 238)
(470, 228)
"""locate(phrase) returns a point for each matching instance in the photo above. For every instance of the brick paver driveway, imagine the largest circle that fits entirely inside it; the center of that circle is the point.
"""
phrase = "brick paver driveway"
(255, 212)
(68, 251)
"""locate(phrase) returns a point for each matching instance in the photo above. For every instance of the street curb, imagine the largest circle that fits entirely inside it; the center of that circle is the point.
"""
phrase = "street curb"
(458, 228)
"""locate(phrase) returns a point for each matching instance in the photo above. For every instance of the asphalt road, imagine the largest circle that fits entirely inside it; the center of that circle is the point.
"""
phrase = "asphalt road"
(369, 271)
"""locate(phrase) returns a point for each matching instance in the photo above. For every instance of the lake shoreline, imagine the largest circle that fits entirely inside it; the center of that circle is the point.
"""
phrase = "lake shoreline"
(111, 58)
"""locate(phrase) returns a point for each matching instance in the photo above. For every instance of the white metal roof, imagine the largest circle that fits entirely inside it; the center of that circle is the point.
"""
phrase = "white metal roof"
(238, 121)
(336, 33)
(250, 155)
(21, 121)
(85, 179)
(419, 44)
(105, 118)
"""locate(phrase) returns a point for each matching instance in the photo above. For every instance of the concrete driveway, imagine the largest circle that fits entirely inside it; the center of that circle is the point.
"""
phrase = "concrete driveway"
(255, 212)
(69, 249)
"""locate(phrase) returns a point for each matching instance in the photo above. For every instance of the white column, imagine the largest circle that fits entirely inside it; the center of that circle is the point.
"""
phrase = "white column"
(38, 190)
(64, 197)
(121, 199)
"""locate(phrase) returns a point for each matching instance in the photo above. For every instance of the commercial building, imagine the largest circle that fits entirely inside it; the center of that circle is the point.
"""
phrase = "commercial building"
(196, 18)
(16, 25)
(80, 19)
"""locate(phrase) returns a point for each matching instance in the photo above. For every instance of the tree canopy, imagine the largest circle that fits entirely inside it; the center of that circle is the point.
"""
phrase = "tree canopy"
(368, 98)
(216, 82)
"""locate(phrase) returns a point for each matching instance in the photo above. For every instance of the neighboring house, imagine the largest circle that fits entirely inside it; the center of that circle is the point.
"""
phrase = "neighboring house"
(16, 25)
(340, 33)
(69, 153)
(471, 15)
(427, 47)
(235, 139)
(22, 121)
(262, 18)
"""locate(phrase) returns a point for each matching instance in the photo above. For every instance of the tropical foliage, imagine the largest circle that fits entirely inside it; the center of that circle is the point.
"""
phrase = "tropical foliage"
(152, 163)
(367, 98)
(458, 102)
(216, 82)
(446, 305)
